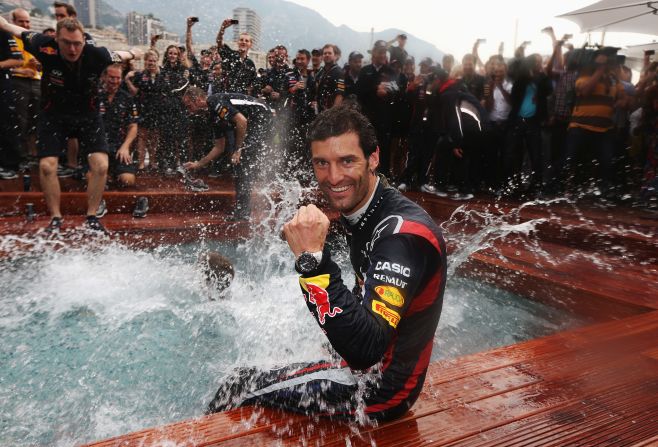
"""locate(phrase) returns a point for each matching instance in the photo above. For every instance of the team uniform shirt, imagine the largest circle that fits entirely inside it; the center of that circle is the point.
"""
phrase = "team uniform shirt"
(300, 101)
(241, 74)
(594, 112)
(27, 58)
(277, 78)
(224, 106)
(117, 116)
(329, 83)
(150, 97)
(9, 49)
(69, 89)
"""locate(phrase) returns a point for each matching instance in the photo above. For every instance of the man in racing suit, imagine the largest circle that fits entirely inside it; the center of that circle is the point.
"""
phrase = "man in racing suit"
(384, 333)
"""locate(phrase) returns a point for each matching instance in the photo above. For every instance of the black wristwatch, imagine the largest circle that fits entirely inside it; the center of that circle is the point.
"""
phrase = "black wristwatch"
(307, 261)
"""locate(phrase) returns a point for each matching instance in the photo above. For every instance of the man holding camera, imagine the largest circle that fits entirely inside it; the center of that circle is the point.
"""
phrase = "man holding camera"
(598, 94)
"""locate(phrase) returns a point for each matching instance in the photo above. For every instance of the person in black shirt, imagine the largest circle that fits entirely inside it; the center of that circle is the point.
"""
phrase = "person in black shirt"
(120, 118)
(399, 53)
(473, 81)
(301, 115)
(329, 82)
(174, 129)
(252, 122)
(377, 91)
(71, 74)
(239, 69)
(354, 65)
(10, 57)
(149, 89)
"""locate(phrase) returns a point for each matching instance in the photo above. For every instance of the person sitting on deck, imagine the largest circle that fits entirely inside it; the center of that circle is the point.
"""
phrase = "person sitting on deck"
(120, 118)
(384, 329)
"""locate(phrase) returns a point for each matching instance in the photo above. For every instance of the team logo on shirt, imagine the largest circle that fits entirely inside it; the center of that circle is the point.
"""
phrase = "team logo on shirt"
(316, 293)
(390, 294)
(50, 51)
(57, 77)
(222, 113)
(387, 314)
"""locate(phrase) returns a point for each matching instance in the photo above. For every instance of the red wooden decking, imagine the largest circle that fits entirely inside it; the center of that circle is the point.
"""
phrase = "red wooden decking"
(596, 385)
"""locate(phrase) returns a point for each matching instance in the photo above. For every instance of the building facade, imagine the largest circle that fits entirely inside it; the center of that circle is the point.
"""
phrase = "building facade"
(250, 23)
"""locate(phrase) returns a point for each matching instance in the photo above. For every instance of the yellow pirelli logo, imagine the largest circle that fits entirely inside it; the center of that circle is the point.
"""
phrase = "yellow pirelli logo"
(387, 314)
(390, 294)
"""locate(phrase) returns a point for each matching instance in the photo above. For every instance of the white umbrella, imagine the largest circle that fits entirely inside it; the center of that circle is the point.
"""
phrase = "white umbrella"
(615, 15)
(638, 50)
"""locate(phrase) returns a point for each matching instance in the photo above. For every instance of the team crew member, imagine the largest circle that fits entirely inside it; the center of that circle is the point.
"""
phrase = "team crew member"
(71, 71)
(239, 68)
(149, 89)
(10, 57)
(26, 81)
(386, 330)
(301, 115)
(251, 120)
(329, 82)
(120, 118)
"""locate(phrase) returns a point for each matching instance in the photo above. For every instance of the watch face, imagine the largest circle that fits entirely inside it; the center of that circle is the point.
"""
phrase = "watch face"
(307, 262)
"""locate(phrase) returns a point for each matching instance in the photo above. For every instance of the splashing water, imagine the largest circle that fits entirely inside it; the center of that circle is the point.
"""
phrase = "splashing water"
(99, 339)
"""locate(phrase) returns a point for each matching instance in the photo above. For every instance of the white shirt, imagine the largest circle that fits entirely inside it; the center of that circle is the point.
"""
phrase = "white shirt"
(501, 108)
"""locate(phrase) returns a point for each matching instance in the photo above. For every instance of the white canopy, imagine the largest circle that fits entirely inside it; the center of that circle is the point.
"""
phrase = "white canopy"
(617, 16)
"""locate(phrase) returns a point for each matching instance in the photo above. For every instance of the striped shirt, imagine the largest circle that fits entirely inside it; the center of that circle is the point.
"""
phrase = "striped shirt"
(594, 112)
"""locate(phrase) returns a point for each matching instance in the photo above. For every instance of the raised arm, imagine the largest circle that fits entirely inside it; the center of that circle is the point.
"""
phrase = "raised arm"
(188, 36)
(220, 34)
(11, 28)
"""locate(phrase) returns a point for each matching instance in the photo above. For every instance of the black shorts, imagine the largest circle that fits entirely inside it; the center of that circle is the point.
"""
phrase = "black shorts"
(54, 129)
(117, 168)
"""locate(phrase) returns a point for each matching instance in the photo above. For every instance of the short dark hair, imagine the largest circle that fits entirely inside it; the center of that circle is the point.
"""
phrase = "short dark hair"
(340, 120)
(70, 9)
(305, 52)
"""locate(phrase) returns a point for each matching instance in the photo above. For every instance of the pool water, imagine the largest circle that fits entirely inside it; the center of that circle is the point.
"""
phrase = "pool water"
(99, 340)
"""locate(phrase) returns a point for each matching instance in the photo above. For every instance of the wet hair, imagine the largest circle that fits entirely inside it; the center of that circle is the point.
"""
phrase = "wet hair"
(165, 61)
(340, 120)
(70, 9)
(193, 93)
(218, 269)
(70, 24)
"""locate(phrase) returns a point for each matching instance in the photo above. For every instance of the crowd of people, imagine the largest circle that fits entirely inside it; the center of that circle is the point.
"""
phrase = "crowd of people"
(532, 127)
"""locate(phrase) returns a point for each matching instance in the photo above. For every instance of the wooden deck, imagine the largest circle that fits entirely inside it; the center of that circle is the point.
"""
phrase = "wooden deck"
(596, 385)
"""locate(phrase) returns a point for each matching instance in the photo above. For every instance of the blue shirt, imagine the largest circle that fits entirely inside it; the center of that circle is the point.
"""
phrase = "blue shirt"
(529, 104)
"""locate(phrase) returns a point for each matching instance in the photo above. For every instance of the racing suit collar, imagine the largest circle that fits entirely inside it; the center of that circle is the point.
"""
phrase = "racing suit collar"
(372, 206)
(356, 215)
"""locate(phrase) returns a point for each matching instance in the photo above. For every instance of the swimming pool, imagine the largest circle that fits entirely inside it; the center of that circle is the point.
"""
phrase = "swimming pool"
(102, 339)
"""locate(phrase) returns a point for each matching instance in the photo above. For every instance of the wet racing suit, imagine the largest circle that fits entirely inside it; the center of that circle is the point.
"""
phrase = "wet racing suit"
(384, 333)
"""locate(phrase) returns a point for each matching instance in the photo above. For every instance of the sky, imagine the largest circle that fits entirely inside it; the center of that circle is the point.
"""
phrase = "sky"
(453, 26)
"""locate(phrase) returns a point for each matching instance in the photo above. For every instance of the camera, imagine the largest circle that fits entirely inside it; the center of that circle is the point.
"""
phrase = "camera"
(234, 21)
(194, 19)
(649, 52)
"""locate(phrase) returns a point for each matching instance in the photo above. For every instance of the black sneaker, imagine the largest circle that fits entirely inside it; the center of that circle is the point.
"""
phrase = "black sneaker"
(141, 207)
(94, 224)
(102, 209)
(196, 185)
(54, 226)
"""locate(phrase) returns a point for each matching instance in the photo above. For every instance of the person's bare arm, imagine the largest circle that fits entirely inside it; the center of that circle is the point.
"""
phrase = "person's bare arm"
(123, 154)
(220, 34)
(132, 54)
(240, 132)
(11, 28)
(215, 152)
(188, 37)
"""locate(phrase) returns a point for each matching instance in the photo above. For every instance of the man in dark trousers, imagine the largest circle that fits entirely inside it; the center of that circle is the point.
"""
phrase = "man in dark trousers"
(383, 331)
(71, 76)
(377, 91)
(251, 121)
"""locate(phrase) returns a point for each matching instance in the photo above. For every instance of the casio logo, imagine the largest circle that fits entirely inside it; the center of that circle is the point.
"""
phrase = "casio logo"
(392, 267)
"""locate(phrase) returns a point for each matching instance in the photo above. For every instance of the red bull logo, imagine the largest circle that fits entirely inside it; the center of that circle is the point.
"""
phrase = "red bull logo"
(317, 294)
(48, 50)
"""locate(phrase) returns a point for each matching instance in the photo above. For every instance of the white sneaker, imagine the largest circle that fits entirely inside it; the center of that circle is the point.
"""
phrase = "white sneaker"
(402, 187)
(430, 189)
(461, 196)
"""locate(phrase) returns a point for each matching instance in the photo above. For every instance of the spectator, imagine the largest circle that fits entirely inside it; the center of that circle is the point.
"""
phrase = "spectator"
(301, 114)
(174, 129)
(377, 91)
(316, 61)
(26, 81)
(498, 104)
(591, 130)
(239, 68)
(354, 65)
(473, 81)
(529, 109)
(120, 119)
(11, 57)
(149, 88)
(70, 109)
(448, 63)
(398, 53)
(329, 82)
